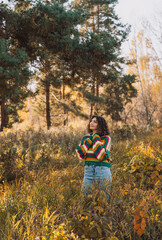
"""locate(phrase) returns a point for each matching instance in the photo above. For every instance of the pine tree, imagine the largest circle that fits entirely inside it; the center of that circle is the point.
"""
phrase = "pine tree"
(104, 34)
(42, 29)
(14, 78)
(14, 71)
(92, 56)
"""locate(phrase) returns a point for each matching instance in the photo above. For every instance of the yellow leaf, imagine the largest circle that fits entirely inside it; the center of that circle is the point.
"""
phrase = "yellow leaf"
(51, 19)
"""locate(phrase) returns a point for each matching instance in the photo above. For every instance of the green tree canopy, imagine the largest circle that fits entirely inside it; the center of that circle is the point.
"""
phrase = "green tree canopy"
(14, 78)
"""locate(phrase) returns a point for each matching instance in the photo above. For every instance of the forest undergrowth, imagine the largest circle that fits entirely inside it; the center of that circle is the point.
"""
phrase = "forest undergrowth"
(41, 182)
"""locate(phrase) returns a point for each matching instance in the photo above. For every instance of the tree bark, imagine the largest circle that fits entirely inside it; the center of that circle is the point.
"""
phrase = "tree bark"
(48, 117)
(98, 30)
(93, 19)
(93, 94)
(65, 111)
(47, 93)
(2, 114)
(97, 88)
(98, 18)
(142, 90)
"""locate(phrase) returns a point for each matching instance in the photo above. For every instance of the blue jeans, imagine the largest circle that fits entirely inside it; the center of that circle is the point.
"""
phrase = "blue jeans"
(96, 174)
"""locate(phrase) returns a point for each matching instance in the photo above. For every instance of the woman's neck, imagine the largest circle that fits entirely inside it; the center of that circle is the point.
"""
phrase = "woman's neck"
(94, 132)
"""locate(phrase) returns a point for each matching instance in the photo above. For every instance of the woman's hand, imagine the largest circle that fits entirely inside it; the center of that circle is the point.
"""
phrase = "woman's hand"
(82, 149)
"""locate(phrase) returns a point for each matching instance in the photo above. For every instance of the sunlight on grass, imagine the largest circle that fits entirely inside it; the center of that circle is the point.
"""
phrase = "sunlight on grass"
(41, 181)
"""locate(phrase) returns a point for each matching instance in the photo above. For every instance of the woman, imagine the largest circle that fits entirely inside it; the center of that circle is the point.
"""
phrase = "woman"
(94, 149)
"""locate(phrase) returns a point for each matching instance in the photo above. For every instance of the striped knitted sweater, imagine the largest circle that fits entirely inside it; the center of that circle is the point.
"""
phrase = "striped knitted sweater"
(95, 150)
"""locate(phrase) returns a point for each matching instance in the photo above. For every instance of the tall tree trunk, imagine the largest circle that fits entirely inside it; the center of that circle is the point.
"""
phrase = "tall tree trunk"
(93, 20)
(98, 30)
(96, 81)
(93, 94)
(65, 111)
(47, 92)
(60, 92)
(145, 104)
(2, 115)
(98, 18)
(97, 87)
(93, 83)
(48, 117)
(142, 91)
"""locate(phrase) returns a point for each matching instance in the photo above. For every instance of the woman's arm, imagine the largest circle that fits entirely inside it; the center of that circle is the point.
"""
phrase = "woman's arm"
(100, 152)
(83, 147)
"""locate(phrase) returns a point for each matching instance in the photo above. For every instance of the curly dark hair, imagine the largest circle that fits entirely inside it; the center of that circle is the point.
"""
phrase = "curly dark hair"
(103, 129)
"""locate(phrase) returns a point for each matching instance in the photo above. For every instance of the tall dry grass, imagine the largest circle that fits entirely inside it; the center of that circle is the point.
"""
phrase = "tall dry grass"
(41, 194)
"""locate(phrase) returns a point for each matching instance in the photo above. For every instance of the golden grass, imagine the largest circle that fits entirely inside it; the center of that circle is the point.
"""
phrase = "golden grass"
(45, 200)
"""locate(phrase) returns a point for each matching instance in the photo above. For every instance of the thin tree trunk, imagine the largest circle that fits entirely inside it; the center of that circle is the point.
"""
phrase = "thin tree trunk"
(93, 94)
(60, 94)
(98, 30)
(2, 115)
(142, 91)
(91, 110)
(93, 20)
(98, 18)
(144, 100)
(63, 97)
(63, 90)
(97, 88)
(47, 92)
(93, 83)
(48, 117)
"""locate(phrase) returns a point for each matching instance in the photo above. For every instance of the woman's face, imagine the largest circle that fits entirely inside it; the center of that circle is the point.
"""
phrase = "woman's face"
(94, 124)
